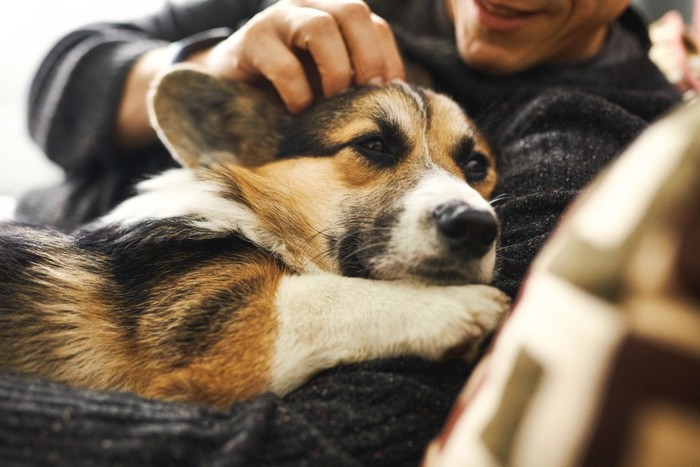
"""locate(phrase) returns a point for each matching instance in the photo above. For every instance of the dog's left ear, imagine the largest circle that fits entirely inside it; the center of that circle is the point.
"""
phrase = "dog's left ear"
(202, 119)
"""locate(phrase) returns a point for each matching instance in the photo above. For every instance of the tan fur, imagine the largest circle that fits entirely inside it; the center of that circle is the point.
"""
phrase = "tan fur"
(285, 196)
(448, 120)
(238, 367)
(97, 357)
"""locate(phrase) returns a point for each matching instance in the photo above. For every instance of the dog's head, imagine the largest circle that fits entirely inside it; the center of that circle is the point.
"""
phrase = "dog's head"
(383, 182)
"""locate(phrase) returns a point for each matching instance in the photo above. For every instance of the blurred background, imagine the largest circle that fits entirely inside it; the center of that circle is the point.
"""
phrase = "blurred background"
(654, 9)
(27, 31)
(33, 26)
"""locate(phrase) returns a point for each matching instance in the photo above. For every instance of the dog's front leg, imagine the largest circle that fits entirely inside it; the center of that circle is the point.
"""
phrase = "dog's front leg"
(325, 320)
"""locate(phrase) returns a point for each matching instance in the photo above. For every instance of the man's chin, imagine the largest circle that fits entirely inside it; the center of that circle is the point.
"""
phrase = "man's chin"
(493, 59)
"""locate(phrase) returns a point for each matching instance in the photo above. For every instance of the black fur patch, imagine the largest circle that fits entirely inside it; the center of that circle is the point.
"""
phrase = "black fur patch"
(350, 260)
(202, 325)
(152, 255)
(363, 241)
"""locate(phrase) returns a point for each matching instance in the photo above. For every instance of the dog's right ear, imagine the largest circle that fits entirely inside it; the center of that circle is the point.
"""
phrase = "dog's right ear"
(202, 119)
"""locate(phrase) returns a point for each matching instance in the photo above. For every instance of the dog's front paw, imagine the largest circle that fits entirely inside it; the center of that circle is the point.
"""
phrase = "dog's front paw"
(462, 318)
(486, 306)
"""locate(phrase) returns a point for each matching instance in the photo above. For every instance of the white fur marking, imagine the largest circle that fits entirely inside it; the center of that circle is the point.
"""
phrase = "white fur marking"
(420, 102)
(325, 320)
(178, 193)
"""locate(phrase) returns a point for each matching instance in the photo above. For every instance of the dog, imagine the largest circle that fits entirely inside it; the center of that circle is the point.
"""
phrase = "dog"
(283, 246)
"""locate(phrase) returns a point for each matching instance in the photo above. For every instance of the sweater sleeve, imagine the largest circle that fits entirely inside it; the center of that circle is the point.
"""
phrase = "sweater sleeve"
(75, 94)
(379, 413)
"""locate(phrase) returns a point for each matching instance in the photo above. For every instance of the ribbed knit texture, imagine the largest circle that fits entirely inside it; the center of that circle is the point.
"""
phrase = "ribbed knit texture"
(554, 129)
(376, 413)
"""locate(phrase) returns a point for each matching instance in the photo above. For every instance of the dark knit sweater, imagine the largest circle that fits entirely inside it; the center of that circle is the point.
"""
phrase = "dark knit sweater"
(554, 129)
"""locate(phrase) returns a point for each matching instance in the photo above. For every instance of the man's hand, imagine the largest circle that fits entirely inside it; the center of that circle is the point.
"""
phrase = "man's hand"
(347, 43)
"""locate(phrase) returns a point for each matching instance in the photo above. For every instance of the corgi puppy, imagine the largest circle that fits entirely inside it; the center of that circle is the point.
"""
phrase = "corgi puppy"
(284, 245)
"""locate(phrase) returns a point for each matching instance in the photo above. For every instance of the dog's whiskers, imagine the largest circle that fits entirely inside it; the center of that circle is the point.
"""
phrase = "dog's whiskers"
(340, 226)
(501, 249)
(498, 199)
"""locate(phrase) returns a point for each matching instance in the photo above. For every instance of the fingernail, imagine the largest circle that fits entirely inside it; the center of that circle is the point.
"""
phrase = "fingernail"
(375, 81)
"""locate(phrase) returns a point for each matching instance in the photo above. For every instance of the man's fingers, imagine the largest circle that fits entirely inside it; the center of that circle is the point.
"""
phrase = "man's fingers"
(318, 33)
(286, 73)
(346, 42)
(374, 56)
(393, 63)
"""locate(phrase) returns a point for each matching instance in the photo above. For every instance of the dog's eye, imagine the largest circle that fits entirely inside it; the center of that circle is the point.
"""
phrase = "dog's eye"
(374, 145)
(375, 149)
(475, 167)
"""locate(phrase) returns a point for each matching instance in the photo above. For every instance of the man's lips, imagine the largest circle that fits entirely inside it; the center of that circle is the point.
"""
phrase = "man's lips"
(504, 10)
(499, 17)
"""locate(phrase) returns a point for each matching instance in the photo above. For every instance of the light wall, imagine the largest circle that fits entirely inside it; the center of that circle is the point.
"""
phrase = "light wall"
(27, 31)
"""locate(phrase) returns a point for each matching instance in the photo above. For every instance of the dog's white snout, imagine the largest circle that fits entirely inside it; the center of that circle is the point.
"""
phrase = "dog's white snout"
(464, 228)
(445, 232)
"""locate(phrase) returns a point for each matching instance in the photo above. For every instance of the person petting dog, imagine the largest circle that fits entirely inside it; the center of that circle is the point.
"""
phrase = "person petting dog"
(559, 87)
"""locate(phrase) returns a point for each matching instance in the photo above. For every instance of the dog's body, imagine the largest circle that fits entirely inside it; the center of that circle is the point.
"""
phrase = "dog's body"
(286, 245)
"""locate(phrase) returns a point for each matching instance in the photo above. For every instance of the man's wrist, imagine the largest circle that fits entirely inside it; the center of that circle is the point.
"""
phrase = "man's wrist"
(184, 49)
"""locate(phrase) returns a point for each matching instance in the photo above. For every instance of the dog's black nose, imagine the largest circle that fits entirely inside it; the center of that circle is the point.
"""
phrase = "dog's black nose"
(468, 229)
